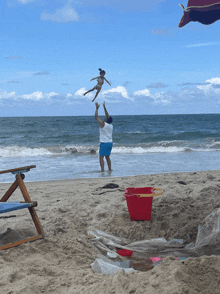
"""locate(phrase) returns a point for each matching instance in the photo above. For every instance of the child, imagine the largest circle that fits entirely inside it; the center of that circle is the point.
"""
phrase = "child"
(98, 87)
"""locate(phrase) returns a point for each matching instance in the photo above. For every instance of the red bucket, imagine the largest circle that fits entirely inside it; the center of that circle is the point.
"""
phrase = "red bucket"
(139, 202)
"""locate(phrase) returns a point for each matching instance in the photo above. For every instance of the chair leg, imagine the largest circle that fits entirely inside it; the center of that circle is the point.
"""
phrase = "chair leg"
(10, 191)
(26, 196)
(10, 245)
(19, 182)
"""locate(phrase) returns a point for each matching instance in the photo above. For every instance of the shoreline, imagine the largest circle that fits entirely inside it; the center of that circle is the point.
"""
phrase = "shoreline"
(116, 177)
(67, 209)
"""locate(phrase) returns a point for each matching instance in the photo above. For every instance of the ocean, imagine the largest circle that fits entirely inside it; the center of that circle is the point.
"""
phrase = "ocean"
(60, 147)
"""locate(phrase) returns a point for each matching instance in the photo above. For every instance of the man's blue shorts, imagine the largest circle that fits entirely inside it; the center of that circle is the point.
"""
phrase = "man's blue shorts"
(105, 149)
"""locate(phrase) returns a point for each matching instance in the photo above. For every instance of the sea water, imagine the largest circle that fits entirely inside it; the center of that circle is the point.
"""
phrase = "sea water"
(60, 147)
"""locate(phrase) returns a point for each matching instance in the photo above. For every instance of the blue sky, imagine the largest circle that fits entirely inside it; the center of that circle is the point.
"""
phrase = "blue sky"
(50, 50)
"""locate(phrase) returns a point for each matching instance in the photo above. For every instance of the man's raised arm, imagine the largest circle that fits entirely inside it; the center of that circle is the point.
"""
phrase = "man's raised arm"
(97, 116)
(106, 112)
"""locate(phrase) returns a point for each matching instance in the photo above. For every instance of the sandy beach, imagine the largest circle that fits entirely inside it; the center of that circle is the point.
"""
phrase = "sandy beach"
(67, 209)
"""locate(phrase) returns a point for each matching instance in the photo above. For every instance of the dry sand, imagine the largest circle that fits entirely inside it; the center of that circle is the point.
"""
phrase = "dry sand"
(60, 263)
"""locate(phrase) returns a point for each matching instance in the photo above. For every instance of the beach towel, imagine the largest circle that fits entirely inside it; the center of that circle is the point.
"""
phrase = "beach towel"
(203, 11)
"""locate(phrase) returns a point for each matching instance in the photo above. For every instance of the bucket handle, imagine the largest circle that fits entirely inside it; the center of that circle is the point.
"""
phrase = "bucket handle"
(160, 192)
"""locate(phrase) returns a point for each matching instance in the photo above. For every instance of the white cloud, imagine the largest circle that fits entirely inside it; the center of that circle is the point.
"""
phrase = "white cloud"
(120, 90)
(144, 92)
(5, 95)
(162, 98)
(80, 92)
(214, 81)
(211, 90)
(203, 98)
(35, 96)
(38, 95)
(64, 14)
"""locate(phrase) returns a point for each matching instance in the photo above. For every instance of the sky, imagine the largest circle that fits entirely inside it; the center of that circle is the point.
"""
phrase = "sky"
(51, 49)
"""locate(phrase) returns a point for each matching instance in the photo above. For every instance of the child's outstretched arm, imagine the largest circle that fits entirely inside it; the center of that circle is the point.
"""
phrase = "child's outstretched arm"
(94, 79)
(107, 81)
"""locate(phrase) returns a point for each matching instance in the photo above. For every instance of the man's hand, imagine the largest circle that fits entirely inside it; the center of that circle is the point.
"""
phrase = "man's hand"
(97, 105)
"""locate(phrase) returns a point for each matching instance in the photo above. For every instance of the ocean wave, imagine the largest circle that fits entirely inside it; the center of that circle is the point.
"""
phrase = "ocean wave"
(78, 150)
(16, 151)
(134, 149)
(161, 147)
(135, 132)
(215, 145)
(141, 150)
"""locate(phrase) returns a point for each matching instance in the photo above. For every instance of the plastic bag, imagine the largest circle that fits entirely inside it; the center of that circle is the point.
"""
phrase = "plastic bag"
(206, 243)
(103, 265)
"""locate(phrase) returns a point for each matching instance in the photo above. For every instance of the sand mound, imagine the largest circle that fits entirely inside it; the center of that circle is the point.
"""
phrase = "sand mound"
(196, 275)
(173, 215)
(68, 209)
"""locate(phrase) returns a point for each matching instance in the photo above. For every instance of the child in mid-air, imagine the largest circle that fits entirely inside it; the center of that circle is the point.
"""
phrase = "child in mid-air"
(100, 79)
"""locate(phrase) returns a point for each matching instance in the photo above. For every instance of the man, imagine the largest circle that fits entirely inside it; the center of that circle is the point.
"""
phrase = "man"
(106, 129)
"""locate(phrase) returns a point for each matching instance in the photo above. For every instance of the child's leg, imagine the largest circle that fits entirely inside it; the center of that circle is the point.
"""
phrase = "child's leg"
(96, 94)
(89, 91)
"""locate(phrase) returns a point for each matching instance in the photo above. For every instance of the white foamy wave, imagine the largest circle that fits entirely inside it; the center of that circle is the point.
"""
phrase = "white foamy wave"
(156, 149)
(16, 151)
(135, 132)
(72, 149)
(215, 145)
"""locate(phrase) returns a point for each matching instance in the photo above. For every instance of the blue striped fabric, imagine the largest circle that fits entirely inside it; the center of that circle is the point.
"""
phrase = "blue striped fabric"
(11, 206)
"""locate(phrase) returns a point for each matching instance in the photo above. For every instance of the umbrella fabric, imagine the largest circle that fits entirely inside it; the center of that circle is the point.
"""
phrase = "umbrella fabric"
(203, 11)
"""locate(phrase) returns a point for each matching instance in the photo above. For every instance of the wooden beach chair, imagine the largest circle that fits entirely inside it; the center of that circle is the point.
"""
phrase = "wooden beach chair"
(11, 206)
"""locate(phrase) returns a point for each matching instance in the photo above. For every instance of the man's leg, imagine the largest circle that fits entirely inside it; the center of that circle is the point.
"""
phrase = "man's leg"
(101, 160)
(108, 162)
